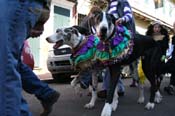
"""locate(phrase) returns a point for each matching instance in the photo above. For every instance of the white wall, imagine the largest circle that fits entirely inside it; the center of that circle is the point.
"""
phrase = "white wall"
(48, 30)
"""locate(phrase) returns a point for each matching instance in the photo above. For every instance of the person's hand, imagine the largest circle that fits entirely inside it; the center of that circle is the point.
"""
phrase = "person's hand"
(118, 21)
(38, 29)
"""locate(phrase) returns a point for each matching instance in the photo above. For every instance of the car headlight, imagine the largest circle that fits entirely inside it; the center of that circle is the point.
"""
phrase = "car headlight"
(51, 54)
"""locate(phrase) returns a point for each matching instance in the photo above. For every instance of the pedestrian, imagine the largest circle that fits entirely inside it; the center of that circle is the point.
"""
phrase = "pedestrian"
(17, 18)
(170, 61)
(153, 59)
(33, 85)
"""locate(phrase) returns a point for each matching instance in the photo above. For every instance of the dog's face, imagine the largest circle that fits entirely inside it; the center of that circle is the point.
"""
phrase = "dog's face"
(67, 36)
(104, 24)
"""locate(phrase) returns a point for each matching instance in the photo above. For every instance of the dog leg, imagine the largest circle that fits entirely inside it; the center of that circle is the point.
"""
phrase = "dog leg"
(107, 110)
(158, 97)
(91, 104)
(75, 81)
(115, 100)
(150, 106)
(141, 98)
(75, 84)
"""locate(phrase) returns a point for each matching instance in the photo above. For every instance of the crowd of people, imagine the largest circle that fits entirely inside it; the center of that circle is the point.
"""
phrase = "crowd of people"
(24, 19)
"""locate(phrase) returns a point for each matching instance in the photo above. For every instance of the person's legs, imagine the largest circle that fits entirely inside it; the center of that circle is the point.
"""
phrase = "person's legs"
(134, 73)
(41, 90)
(13, 31)
(106, 80)
(105, 86)
(121, 88)
(170, 88)
(85, 78)
(16, 20)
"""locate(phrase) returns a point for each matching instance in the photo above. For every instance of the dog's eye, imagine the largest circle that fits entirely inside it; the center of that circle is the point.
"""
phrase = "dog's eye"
(68, 37)
(75, 31)
(58, 30)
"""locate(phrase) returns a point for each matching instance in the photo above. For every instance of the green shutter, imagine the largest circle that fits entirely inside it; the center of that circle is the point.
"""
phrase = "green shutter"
(61, 17)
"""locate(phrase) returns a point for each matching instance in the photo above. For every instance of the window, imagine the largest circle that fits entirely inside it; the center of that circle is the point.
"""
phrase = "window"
(158, 3)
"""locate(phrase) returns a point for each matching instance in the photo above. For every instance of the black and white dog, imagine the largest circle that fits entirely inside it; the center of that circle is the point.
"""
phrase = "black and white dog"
(75, 37)
(105, 27)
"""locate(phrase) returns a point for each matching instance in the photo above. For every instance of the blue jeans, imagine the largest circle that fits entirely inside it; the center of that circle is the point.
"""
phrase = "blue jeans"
(85, 79)
(15, 22)
(33, 85)
(106, 80)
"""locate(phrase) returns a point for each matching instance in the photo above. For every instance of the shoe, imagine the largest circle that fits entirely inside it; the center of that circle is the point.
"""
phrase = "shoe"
(120, 94)
(169, 90)
(102, 94)
(134, 84)
(48, 104)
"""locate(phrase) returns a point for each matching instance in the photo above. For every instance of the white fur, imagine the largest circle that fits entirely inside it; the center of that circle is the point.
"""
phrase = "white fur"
(141, 98)
(150, 106)
(107, 110)
(91, 104)
(74, 82)
(115, 100)
(52, 38)
(104, 23)
(158, 97)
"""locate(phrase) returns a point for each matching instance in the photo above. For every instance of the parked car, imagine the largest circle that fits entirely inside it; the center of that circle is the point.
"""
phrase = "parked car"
(58, 62)
(27, 56)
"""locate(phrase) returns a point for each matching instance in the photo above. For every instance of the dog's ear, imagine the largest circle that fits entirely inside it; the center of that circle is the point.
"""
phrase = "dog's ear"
(113, 18)
(82, 30)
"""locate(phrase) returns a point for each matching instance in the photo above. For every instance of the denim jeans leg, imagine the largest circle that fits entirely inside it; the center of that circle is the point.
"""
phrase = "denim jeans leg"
(85, 79)
(14, 29)
(106, 79)
(24, 108)
(32, 84)
(120, 85)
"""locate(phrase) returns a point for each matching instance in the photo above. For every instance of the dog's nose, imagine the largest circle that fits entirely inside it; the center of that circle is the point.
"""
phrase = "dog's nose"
(47, 39)
(104, 30)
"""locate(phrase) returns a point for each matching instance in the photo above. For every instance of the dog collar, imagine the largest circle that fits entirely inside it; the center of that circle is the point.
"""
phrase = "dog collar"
(81, 38)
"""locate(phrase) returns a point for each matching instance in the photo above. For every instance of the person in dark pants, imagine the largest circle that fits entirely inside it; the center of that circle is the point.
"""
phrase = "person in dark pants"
(171, 63)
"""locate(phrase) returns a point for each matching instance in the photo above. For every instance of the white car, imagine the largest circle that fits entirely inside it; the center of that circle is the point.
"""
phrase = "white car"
(58, 62)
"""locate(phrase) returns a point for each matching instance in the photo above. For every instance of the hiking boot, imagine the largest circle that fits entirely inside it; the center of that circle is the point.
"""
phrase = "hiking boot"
(48, 104)
(169, 90)
(133, 84)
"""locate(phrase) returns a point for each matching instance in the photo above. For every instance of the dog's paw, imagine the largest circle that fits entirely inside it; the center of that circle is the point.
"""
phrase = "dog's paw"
(114, 105)
(141, 100)
(149, 106)
(158, 97)
(107, 110)
(89, 106)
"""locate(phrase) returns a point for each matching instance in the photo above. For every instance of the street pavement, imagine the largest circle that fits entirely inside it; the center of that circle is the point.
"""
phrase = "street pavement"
(70, 104)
